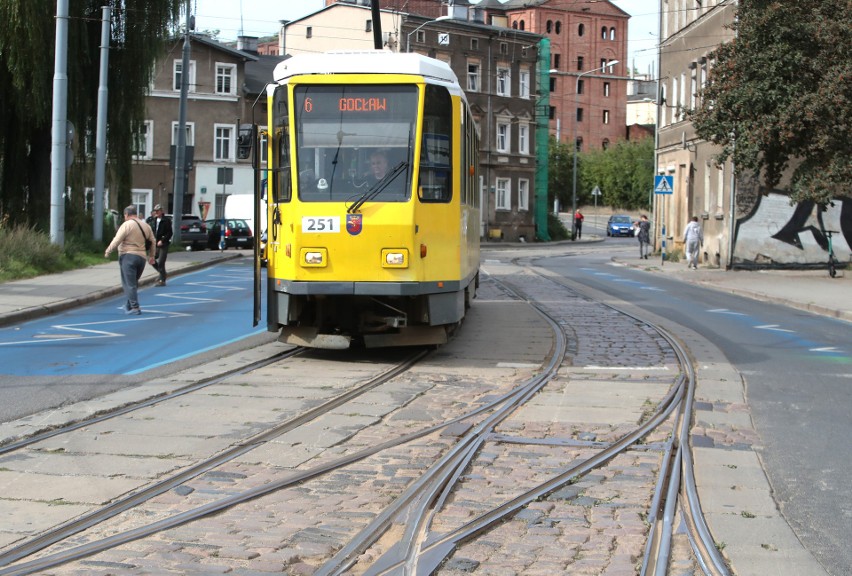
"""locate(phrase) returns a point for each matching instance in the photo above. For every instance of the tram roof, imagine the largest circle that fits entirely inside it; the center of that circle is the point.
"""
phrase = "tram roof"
(365, 62)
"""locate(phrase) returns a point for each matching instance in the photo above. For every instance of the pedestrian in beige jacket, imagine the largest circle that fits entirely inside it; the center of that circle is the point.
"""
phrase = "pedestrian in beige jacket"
(134, 240)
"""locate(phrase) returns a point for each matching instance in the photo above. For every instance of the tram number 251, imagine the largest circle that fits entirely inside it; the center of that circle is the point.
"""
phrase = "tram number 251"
(321, 224)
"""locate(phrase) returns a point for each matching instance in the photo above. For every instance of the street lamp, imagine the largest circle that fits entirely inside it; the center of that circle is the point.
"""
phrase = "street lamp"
(408, 39)
(576, 132)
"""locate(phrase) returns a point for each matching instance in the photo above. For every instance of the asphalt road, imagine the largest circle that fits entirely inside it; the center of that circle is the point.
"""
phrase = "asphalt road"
(799, 386)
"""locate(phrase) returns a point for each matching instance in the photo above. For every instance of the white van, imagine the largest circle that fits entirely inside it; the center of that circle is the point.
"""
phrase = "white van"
(241, 206)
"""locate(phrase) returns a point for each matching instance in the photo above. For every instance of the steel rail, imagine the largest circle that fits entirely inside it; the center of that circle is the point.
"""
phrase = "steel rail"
(85, 550)
(415, 554)
(701, 539)
(428, 486)
(97, 516)
(128, 408)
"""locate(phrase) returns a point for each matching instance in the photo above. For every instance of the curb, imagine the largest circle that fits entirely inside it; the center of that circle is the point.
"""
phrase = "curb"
(35, 312)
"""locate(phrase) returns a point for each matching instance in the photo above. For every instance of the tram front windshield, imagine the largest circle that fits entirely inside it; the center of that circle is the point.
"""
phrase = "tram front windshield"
(354, 140)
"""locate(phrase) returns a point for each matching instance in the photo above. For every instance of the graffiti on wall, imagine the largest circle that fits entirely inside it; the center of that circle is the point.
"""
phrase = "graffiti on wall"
(776, 233)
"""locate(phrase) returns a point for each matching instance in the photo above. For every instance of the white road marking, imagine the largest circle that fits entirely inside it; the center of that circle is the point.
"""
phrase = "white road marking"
(726, 311)
(774, 328)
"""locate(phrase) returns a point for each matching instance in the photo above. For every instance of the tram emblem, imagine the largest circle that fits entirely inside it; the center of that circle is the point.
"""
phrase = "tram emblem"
(354, 223)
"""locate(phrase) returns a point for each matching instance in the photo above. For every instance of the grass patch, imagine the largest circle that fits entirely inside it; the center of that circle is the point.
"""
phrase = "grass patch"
(28, 252)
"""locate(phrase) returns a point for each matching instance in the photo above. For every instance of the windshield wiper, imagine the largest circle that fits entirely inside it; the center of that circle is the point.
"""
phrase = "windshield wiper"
(376, 188)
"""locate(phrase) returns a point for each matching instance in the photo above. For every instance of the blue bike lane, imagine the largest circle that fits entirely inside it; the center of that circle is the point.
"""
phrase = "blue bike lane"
(194, 313)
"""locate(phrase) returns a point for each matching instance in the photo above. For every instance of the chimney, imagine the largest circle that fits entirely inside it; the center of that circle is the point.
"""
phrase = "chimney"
(247, 44)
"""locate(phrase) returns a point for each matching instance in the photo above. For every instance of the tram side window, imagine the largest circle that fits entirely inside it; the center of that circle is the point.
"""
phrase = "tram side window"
(281, 189)
(435, 183)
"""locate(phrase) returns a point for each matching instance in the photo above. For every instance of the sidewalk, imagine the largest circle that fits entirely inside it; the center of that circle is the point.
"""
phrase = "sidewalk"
(811, 290)
(23, 300)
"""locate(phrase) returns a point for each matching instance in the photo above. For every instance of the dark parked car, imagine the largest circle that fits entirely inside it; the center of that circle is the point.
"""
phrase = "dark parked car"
(237, 233)
(193, 232)
(619, 225)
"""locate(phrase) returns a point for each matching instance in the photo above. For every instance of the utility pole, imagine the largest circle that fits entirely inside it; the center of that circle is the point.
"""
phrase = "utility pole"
(59, 129)
(100, 138)
(180, 152)
(376, 15)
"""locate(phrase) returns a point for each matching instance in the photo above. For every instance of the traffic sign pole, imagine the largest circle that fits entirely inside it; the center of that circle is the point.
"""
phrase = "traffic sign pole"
(663, 186)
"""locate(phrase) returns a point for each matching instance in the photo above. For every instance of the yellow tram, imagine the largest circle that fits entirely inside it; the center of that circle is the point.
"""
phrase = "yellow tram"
(372, 199)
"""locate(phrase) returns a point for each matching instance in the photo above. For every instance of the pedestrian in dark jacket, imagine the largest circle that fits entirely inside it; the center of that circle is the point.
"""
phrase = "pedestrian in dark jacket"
(162, 227)
(644, 235)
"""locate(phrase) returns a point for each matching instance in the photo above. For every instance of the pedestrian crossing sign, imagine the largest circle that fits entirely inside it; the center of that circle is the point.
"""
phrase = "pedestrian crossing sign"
(663, 184)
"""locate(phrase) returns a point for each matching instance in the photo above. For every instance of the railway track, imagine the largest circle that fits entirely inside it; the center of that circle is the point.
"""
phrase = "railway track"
(431, 522)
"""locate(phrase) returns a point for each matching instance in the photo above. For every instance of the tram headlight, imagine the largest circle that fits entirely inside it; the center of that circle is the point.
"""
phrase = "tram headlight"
(314, 257)
(394, 258)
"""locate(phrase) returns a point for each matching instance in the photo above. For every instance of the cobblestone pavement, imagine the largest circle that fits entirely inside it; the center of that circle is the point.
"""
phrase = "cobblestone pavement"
(616, 370)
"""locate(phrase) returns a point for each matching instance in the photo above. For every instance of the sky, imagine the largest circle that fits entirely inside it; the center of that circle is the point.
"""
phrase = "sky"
(261, 18)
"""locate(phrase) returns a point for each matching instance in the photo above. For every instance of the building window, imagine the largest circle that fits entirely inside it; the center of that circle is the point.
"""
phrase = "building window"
(504, 47)
(603, 65)
(523, 194)
(226, 78)
(143, 141)
(578, 143)
(708, 169)
(556, 61)
(177, 76)
(553, 84)
(549, 26)
(693, 88)
(309, 32)
(603, 33)
(523, 25)
(474, 43)
(190, 133)
(524, 83)
(523, 138)
(581, 29)
(581, 86)
(473, 77)
(503, 134)
(503, 82)
(503, 190)
(606, 89)
(558, 27)
(420, 37)
(612, 33)
(551, 114)
(579, 114)
(579, 63)
(141, 198)
(605, 143)
(606, 116)
(223, 143)
(368, 26)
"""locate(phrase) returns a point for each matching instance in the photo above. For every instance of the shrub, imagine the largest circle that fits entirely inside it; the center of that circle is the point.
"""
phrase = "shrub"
(674, 255)
(556, 229)
(28, 252)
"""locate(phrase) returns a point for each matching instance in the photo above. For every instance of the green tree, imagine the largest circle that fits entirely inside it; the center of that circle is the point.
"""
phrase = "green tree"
(138, 28)
(559, 166)
(778, 96)
(624, 172)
